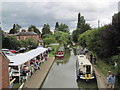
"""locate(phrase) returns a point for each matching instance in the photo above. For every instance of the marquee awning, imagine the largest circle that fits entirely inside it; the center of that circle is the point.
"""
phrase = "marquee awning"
(24, 57)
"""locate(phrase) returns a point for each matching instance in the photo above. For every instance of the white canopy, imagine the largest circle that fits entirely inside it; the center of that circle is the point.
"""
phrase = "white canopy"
(24, 57)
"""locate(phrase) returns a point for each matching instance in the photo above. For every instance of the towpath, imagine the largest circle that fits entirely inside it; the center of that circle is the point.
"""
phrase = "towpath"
(36, 80)
(101, 79)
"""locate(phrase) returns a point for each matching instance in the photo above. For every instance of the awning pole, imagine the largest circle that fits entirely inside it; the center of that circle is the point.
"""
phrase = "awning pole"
(19, 72)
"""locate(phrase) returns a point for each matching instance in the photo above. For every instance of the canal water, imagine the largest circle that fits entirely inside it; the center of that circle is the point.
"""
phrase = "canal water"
(63, 74)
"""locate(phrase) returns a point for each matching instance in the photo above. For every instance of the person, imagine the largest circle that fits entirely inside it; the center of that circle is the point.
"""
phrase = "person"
(94, 60)
(111, 80)
(91, 57)
(86, 50)
(108, 74)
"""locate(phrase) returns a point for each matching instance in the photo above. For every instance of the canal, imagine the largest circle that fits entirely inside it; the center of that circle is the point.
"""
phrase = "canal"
(63, 74)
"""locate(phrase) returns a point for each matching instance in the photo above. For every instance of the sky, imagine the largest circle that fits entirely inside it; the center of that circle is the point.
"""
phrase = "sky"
(40, 12)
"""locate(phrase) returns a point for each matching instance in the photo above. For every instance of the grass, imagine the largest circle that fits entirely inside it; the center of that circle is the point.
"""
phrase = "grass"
(104, 68)
(53, 52)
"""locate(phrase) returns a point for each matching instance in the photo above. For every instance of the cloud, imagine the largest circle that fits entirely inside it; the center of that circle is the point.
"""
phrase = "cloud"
(39, 13)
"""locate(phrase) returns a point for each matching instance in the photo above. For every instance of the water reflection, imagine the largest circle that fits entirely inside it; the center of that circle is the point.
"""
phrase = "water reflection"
(84, 84)
(65, 59)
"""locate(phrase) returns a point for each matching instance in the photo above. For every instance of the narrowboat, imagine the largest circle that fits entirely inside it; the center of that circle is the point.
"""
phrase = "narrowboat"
(84, 69)
(60, 53)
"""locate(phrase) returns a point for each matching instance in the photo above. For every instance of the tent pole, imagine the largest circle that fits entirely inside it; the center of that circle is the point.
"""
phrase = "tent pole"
(19, 72)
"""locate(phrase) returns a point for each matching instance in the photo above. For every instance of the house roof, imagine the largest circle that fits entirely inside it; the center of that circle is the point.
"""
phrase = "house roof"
(26, 33)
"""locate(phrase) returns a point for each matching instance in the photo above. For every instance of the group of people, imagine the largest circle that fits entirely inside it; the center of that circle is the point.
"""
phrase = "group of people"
(33, 65)
(28, 68)
(85, 51)
(92, 59)
(110, 79)
(82, 51)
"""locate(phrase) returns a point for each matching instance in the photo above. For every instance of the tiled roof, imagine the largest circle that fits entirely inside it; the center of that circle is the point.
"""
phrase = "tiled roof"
(26, 33)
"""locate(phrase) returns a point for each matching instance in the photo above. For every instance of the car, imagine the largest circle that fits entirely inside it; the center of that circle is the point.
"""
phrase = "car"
(22, 49)
(13, 51)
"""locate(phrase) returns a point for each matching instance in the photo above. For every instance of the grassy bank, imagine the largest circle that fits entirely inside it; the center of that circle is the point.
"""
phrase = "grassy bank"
(54, 50)
(104, 67)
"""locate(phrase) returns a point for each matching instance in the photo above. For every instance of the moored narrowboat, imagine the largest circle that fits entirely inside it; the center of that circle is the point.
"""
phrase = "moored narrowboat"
(60, 53)
(84, 68)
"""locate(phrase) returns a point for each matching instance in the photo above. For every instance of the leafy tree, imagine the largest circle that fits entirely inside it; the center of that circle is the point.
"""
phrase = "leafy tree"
(10, 42)
(63, 27)
(31, 43)
(15, 29)
(81, 28)
(47, 41)
(105, 42)
(81, 20)
(62, 38)
(75, 35)
(33, 28)
(46, 29)
(56, 26)
(48, 36)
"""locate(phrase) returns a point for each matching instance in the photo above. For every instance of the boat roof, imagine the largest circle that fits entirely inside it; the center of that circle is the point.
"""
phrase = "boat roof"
(82, 60)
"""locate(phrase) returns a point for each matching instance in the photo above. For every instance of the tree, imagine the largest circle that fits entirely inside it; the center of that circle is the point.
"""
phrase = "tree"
(63, 27)
(48, 36)
(81, 20)
(34, 29)
(56, 26)
(47, 41)
(75, 35)
(10, 42)
(46, 29)
(62, 38)
(15, 29)
(81, 28)
(31, 43)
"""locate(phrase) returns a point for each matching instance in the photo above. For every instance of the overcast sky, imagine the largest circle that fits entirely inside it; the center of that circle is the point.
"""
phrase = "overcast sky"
(39, 12)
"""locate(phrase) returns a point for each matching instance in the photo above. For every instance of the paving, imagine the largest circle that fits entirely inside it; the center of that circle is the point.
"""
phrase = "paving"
(36, 80)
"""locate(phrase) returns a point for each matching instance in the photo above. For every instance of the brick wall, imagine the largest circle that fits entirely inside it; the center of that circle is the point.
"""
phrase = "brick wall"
(34, 37)
(0, 71)
(4, 71)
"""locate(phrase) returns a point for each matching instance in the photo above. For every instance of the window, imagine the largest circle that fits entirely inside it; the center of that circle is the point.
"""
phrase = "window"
(25, 38)
(18, 38)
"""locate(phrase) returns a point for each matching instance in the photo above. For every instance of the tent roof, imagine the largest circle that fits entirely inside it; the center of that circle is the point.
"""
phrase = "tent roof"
(24, 57)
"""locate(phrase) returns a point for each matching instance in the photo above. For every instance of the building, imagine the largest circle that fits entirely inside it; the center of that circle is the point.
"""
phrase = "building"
(23, 35)
(4, 72)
